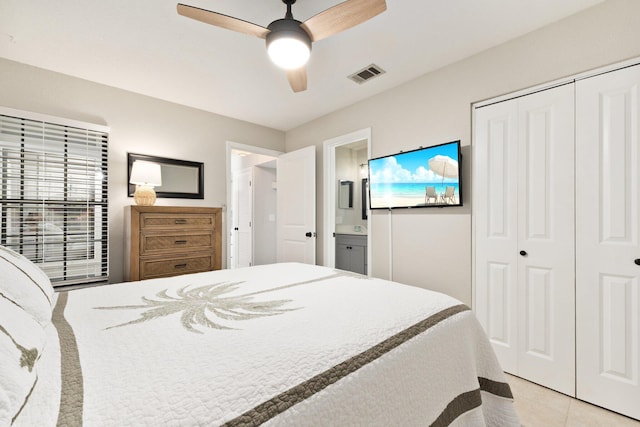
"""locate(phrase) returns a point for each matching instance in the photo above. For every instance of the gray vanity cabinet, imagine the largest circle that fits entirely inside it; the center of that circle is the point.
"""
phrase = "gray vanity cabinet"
(351, 253)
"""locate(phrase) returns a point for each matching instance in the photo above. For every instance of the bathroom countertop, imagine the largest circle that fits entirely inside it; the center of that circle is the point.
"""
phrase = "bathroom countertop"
(360, 230)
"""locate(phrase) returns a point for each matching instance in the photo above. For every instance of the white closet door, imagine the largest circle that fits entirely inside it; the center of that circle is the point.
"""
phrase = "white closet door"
(496, 232)
(546, 264)
(608, 240)
(523, 209)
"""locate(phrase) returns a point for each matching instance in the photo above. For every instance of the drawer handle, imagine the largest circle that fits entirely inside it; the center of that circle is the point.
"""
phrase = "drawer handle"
(180, 242)
(181, 221)
(180, 266)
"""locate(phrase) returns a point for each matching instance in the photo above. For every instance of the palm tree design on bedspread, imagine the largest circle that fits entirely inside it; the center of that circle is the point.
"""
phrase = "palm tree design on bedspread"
(198, 305)
(28, 356)
(194, 304)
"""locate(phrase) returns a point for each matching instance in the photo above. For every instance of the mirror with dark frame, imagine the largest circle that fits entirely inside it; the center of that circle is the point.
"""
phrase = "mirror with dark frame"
(181, 179)
(365, 193)
(345, 194)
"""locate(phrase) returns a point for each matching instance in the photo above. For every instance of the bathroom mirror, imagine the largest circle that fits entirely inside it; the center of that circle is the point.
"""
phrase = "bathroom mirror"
(345, 194)
(365, 194)
(180, 178)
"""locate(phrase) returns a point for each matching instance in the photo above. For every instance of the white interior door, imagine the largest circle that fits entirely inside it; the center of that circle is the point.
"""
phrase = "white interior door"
(233, 223)
(608, 240)
(495, 206)
(244, 214)
(296, 200)
(546, 261)
(523, 209)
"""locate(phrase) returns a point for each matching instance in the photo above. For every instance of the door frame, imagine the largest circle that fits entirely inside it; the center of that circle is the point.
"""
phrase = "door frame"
(230, 146)
(329, 196)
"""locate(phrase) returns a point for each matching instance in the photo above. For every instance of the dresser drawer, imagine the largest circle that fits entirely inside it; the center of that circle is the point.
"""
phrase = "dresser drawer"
(165, 267)
(151, 243)
(177, 221)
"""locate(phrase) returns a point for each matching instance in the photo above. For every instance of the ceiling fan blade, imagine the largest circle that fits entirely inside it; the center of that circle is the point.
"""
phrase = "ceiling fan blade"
(223, 21)
(342, 17)
(298, 79)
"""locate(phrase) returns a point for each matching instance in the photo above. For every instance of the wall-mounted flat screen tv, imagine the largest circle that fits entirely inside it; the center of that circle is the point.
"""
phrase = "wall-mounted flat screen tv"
(426, 177)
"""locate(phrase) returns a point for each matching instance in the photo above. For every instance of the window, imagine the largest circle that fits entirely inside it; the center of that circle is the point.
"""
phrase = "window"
(53, 188)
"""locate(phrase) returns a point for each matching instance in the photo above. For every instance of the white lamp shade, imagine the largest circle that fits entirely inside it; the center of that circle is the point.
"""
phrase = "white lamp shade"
(145, 173)
(288, 53)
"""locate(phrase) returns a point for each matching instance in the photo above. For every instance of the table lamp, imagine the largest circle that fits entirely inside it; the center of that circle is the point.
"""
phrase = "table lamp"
(145, 175)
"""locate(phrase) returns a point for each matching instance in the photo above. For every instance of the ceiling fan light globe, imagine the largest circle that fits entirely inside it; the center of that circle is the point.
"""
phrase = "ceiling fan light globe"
(288, 44)
(288, 53)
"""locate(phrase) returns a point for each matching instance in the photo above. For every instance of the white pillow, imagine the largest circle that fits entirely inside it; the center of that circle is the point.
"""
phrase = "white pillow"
(22, 340)
(23, 283)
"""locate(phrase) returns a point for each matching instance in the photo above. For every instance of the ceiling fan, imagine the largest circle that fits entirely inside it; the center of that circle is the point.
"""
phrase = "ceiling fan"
(289, 40)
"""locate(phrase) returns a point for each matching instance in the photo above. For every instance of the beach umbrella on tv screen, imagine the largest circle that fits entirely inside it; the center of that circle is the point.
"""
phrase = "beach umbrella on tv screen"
(444, 166)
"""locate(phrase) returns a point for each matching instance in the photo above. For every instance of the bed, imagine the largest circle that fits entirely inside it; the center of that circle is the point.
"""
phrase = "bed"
(276, 345)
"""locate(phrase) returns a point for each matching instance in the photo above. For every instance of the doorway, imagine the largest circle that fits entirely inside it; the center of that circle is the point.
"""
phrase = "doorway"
(346, 169)
(251, 198)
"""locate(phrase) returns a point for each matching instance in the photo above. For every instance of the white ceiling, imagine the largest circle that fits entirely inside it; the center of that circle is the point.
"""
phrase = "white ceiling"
(144, 46)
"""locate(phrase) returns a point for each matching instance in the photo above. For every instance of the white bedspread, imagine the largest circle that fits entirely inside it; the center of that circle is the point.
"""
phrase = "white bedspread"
(283, 344)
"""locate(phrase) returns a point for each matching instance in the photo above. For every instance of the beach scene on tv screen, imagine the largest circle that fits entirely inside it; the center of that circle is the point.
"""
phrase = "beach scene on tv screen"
(425, 177)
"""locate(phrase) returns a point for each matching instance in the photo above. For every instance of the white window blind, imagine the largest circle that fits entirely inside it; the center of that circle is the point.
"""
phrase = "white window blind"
(54, 197)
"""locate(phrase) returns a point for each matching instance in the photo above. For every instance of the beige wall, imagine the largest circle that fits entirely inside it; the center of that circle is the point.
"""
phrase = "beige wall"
(431, 248)
(138, 124)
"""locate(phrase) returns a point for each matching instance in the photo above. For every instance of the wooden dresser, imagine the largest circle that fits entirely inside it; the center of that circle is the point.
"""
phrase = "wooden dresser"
(163, 241)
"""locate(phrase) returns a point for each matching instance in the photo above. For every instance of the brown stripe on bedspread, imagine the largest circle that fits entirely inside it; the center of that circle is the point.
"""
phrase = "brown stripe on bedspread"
(299, 393)
(462, 403)
(71, 394)
(470, 400)
(495, 387)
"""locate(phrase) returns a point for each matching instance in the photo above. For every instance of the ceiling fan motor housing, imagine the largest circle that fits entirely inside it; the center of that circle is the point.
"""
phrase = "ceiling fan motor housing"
(287, 28)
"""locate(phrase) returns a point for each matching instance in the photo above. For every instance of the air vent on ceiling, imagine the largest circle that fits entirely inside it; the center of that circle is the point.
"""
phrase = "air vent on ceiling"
(367, 73)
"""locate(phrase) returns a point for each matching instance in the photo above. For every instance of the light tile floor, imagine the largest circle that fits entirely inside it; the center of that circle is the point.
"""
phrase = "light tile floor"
(539, 406)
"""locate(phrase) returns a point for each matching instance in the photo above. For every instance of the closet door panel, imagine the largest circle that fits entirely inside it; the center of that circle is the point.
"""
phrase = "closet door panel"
(539, 304)
(618, 327)
(608, 240)
(495, 205)
(546, 265)
(498, 295)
